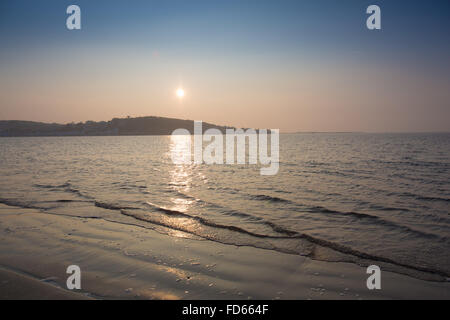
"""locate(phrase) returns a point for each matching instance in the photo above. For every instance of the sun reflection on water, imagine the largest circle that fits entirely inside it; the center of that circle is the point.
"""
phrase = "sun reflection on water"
(180, 180)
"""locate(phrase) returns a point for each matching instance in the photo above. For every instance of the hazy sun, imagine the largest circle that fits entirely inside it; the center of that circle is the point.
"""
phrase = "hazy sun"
(180, 93)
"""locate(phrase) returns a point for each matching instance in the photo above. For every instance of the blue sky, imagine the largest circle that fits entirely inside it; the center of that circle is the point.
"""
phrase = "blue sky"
(244, 25)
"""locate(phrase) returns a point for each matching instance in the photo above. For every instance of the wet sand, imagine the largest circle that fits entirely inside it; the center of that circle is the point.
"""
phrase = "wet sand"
(15, 286)
(121, 261)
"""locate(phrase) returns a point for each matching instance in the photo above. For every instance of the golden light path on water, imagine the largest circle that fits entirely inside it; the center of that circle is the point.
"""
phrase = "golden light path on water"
(181, 176)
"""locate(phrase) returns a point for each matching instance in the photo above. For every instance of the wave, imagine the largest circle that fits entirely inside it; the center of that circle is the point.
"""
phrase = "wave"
(66, 187)
(419, 197)
(264, 197)
(68, 201)
(383, 208)
(214, 206)
(309, 249)
(110, 206)
(432, 198)
(50, 186)
(416, 163)
(220, 226)
(285, 240)
(352, 214)
(229, 212)
(379, 221)
(16, 203)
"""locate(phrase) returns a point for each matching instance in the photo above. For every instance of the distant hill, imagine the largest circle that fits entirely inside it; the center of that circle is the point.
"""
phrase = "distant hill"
(114, 127)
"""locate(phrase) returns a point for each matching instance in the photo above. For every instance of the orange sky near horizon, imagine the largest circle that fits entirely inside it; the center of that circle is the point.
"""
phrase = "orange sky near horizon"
(308, 95)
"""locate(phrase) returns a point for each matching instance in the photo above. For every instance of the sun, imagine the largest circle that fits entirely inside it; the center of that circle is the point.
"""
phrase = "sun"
(180, 93)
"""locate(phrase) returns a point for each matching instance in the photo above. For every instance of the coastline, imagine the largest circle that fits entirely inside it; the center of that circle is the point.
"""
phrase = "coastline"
(120, 261)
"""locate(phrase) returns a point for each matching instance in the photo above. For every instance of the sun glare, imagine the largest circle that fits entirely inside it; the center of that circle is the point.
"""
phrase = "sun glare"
(180, 93)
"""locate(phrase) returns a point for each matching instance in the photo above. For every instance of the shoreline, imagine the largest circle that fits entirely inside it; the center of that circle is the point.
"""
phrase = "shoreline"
(128, 262)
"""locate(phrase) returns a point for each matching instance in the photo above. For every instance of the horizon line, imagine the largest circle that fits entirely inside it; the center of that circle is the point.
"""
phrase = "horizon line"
(225, 125)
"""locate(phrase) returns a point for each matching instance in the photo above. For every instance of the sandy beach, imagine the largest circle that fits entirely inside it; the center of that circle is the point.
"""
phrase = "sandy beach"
(120, 261)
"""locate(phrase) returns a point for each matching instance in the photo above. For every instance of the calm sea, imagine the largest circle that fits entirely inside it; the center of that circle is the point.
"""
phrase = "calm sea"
(364, 198)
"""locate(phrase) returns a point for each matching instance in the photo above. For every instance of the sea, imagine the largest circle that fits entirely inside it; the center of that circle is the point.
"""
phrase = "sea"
(362, 198)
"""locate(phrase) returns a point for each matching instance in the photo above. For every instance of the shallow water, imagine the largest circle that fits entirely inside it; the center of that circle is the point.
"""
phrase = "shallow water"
(363, 198)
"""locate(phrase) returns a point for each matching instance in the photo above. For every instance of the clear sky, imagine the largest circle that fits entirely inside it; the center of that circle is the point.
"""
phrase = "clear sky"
(293, 65)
